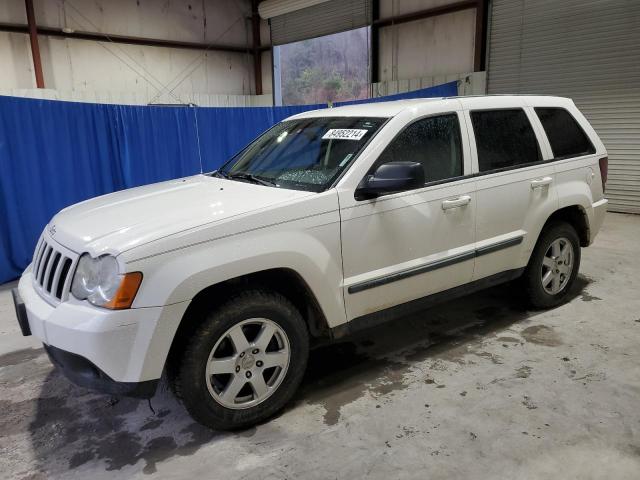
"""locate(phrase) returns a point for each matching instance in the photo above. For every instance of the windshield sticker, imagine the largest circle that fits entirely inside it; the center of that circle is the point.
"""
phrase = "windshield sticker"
(344, 134)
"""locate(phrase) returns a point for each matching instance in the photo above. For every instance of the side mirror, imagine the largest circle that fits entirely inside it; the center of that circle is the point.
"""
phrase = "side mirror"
(391, 177)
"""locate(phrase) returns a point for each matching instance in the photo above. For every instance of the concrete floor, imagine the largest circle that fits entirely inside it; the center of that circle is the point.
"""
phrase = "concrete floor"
(478, 388)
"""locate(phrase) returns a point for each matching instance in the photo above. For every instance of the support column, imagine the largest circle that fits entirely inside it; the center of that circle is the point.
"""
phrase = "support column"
(375, 42)
(35, 47)
(480, 41)
(257, 53)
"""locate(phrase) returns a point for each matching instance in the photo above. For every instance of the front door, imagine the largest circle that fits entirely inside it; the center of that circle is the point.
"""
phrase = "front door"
(404, 246)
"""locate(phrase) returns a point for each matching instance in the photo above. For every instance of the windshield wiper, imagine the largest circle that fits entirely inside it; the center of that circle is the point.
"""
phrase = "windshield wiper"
(244, 176)
(251, 178)
(219, 174)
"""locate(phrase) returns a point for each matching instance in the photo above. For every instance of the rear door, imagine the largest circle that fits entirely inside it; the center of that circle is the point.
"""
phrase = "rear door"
(515, 188)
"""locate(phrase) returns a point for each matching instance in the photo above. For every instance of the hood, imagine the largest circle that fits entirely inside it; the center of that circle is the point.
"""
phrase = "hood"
(120, 221)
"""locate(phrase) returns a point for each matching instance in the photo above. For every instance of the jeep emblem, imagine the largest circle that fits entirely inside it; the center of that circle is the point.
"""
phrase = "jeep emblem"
(52, 230)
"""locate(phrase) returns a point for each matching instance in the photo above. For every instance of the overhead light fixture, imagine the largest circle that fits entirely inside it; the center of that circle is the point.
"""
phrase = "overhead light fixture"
(68, 30)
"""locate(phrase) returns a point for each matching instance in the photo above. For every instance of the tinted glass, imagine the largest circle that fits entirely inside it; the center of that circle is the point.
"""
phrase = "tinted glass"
(433, 142)
(504, 138)
(566, 137)
(305, 154)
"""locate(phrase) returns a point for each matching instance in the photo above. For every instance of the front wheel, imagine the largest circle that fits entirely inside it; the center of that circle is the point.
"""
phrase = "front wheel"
(245, 362)
(553, 266)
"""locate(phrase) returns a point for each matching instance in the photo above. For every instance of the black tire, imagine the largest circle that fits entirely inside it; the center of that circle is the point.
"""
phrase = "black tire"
(190, 383)
(537, 296)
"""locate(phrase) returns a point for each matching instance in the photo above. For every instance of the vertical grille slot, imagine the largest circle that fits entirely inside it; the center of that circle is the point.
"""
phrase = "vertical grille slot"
(36, 269)
(43, 267)
(37, 255)
(66, 265)
(53, 270)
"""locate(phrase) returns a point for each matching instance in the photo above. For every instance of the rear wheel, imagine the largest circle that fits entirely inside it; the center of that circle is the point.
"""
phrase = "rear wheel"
(553, 266)
(245, 362)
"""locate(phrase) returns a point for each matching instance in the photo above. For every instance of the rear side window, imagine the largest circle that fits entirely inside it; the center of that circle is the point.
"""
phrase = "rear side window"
(504, 138)
(566, 137)
(433, 142)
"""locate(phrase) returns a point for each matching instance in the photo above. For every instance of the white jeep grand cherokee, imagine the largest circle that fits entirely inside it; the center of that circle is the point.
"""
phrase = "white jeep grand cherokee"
(330, 221)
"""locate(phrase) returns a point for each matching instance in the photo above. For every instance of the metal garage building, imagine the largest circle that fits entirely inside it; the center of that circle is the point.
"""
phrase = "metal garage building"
(588, 50)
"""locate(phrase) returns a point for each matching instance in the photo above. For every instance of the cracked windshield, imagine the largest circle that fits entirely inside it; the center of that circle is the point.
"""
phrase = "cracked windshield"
(306, 154)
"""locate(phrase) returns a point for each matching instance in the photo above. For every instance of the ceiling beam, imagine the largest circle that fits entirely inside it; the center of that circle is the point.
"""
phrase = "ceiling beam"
(151, 42)
(421, 14)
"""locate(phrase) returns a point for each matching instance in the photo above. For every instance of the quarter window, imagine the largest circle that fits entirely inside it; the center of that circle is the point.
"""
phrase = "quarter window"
(433, 142)
(504, 138)
(566, 137)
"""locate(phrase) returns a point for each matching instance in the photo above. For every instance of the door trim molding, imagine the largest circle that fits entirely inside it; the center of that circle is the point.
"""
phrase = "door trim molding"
(430, 266)
(494, 247)
(404, 309)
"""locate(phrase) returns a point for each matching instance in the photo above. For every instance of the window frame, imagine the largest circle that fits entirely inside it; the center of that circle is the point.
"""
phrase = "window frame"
(353, 160)
(539, 140)
(459, 117)
(544, 132)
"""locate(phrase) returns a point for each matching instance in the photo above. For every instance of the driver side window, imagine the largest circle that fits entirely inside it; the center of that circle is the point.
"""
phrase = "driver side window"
(434, 142)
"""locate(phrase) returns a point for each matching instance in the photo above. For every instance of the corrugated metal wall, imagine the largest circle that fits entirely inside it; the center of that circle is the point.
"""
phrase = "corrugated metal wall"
(326, 18)
(89, 67)
(586, 50)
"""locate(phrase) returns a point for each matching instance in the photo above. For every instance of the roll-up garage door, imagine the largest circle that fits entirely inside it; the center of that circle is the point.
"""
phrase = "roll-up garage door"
(316, 20)
(586, 50)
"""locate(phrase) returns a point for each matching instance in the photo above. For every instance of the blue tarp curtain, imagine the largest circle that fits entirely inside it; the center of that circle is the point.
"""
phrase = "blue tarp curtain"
(54, 154)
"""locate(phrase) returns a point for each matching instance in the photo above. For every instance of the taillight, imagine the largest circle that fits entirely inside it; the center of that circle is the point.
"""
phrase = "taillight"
(604, 170)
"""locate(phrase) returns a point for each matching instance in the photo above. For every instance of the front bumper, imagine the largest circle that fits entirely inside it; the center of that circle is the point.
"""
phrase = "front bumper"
(115, 346)
(21, 312)
(84, 373)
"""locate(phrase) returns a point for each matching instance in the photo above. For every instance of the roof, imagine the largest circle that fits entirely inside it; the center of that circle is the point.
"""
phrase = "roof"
(379, 109)
(392, 108)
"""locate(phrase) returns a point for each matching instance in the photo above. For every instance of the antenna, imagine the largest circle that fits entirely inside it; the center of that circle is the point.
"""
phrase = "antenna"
(195, 116)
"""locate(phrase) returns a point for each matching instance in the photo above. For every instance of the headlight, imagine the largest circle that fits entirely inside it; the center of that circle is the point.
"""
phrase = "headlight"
(98, 281)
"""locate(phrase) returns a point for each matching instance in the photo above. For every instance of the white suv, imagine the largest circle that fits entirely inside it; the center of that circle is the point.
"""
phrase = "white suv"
(330, 221)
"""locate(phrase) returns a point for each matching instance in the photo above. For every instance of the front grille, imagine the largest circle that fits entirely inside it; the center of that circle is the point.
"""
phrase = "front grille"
(52, 269)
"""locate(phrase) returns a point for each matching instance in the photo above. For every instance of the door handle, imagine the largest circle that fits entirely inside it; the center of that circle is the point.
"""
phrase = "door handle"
(457, 202)
(541, 182)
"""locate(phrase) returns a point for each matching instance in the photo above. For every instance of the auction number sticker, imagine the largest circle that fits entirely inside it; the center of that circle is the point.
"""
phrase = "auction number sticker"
(344, 134)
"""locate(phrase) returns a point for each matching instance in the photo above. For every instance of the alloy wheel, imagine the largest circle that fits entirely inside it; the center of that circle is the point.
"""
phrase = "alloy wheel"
(248, 363)
(557, 266)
